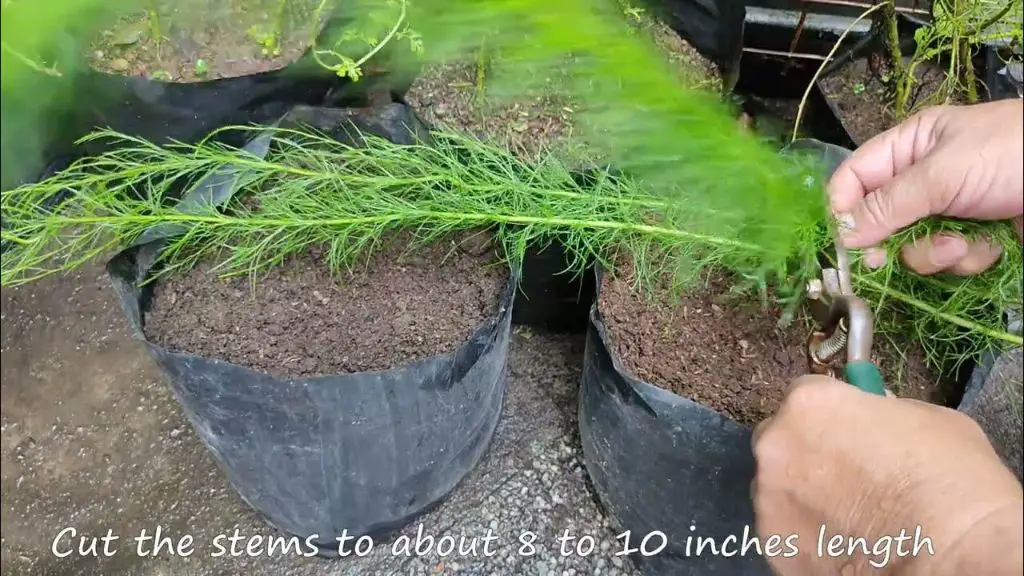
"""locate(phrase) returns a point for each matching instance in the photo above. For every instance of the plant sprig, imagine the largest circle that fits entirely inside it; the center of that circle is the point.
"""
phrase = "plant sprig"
(365, 35)
(313, 190)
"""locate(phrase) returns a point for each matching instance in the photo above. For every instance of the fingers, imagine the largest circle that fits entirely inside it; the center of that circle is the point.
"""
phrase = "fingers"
(888, 183)
(806, 394)
(905, 199)
(951, 254)
(879, 160)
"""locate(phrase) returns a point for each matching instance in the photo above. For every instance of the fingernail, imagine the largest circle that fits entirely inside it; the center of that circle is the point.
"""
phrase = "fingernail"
(947, 250)
(875, 258)
(845, 223)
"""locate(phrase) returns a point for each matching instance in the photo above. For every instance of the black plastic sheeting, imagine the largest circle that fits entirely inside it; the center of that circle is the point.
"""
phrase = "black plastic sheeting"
(343, 455)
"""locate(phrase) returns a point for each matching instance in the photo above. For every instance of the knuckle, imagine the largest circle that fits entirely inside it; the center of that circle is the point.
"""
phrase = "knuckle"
(876, 208)
(808, 396)
(770, 450)
(934, 114)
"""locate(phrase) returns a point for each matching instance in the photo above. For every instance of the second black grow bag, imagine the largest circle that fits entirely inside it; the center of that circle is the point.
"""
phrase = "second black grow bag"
(667, 469)
(671, 470)
(363, 453)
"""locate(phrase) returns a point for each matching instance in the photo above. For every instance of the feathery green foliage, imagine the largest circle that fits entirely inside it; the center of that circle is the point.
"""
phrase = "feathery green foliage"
(312, 190)
(953, 318)
(698, 190)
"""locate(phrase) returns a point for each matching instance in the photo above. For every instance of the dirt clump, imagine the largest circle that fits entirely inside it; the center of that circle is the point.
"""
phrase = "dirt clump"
(300, 320)
(720, 349)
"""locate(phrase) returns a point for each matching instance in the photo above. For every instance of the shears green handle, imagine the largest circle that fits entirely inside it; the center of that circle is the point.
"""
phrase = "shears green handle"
(859, 371)
(865, 375)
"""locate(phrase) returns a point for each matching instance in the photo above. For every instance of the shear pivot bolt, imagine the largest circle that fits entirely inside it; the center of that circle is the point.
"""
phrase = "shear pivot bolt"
(814, 288)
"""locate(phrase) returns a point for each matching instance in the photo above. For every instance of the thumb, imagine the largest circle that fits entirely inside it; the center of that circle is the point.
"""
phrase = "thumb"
(903, 200)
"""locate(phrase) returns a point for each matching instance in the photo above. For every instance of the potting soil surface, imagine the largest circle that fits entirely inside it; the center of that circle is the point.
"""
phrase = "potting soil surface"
(862, 101)
(196, 40)
(300, 320)
(726, 351)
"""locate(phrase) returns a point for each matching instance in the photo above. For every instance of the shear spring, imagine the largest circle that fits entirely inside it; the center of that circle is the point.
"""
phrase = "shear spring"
(833, 344)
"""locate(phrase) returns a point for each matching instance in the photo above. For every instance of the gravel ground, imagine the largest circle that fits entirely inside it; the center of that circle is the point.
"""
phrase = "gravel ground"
(93, 440)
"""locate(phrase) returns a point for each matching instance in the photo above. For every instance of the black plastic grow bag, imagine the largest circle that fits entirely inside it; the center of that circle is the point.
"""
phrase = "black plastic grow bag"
(42, 121)
(674, 470)
(338, 455)
(665, 466)
(353, 454)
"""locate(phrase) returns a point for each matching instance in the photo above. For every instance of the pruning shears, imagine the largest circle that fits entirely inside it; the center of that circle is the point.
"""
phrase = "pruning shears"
(848, 325)
(847, 320)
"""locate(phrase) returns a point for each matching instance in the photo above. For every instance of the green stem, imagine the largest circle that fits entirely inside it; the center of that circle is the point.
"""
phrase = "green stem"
(409, 215)
(899, 70)
(951, 318)
(970, 81)
(51, 71)
(274, 167)
(373, 52)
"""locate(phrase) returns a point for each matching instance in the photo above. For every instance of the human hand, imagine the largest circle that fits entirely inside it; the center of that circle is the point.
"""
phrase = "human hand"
(869, 466)
(957, 161)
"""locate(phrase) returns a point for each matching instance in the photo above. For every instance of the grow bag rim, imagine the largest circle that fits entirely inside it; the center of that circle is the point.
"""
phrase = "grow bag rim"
(645, 390)
(506, 296)
(648, 389)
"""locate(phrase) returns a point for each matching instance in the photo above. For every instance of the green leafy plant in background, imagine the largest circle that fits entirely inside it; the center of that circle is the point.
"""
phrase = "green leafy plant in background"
(958, 28)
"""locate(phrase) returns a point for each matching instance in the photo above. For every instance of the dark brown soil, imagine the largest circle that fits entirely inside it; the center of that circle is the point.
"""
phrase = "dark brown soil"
(723, 350)
(863, 102)
(195, 40)
(300, 321)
